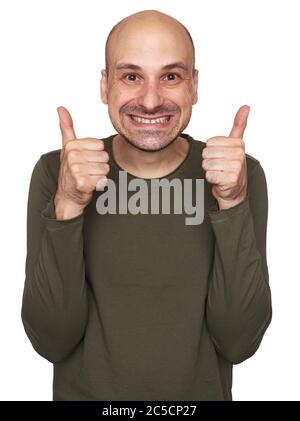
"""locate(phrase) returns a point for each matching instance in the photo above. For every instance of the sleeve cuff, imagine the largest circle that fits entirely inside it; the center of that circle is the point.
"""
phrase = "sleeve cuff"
(49, 215)
(217, 215)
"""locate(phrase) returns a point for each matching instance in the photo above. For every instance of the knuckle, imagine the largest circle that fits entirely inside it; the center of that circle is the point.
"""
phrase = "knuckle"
(69, 146)
(205, 153)
(97, 142)
(75, 168)
(106, 168)
(234, 178)
(204, 164)
(101, 183)
(104, 156)
(71, 155)
(209, 176)
(240, 154)
(80, 183)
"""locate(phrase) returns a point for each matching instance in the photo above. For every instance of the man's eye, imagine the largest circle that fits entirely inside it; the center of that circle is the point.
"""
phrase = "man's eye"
(131, 77)
(172, 76)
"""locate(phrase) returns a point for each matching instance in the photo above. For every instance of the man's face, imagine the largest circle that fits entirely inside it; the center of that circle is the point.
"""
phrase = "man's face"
(151, 86)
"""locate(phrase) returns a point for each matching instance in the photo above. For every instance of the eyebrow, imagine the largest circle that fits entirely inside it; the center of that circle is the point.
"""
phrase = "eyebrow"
(131, 66)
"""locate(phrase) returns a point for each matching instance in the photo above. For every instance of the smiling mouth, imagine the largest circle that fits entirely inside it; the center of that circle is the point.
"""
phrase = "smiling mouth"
(158, 120)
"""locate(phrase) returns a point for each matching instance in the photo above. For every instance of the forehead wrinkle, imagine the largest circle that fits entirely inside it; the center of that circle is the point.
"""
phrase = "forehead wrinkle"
(170, 66)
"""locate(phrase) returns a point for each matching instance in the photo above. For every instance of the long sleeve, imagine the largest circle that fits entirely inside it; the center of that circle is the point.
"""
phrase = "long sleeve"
(54, 307)
(238, 308)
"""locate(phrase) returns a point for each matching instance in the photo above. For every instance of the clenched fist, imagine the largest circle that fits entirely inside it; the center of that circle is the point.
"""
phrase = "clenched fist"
(83, 165)
(224, 163)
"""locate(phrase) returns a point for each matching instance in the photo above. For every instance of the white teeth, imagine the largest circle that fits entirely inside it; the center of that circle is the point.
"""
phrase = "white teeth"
(150, 121)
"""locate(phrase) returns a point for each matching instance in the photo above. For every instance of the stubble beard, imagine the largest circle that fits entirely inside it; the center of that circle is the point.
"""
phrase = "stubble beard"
(152, 135)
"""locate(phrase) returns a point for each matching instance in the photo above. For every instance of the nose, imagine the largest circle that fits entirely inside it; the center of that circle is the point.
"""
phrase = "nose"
(150, 97)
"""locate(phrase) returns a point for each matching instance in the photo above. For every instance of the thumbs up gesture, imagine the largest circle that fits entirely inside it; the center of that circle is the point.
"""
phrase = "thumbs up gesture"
(83, 165)
(224, 163)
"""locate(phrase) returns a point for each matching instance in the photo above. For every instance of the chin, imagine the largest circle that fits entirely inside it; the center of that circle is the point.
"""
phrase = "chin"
(149, 143)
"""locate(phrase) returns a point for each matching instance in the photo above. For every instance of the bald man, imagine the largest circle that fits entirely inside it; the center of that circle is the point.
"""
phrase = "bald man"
(140, 305)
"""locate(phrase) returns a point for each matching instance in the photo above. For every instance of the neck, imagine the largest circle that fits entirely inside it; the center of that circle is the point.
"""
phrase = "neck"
(149, 164)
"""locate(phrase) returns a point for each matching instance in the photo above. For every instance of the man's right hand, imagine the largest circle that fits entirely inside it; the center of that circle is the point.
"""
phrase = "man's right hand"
(83, 165)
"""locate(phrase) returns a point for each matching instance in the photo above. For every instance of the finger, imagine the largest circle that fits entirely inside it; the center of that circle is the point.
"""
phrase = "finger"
(221, 152)
(98, 181)
(90, 182)
(80, 169)
(95, 168)
(86, 144)
(66, 125)
(221, 165)
(240, 122)
(224, 142)
(91, 156)
(220, 178)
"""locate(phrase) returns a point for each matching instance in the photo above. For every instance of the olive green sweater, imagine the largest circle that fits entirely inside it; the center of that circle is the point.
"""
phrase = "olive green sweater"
(145, 307)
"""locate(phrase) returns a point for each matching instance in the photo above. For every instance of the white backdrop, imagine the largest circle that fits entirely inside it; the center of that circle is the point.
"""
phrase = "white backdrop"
(247, 52)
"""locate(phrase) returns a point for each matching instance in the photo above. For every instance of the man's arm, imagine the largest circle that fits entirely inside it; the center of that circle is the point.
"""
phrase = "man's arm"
(238, 308)
(54, 307)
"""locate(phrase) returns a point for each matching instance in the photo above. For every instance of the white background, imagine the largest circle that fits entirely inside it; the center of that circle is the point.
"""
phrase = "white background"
(247, 52)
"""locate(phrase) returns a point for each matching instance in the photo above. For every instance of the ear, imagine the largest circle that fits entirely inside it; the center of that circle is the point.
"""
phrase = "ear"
(195, 98)
(104, 86)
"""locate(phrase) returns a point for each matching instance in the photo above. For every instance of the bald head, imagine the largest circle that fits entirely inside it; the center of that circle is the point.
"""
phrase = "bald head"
(148, 20)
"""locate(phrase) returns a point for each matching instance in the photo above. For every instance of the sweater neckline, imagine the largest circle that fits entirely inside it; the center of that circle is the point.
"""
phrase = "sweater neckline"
(174, 173)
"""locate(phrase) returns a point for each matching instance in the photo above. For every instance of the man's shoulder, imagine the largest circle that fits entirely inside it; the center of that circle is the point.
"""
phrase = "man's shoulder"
(51, 162)
(199, 144)
(252, 163)
(51, 155)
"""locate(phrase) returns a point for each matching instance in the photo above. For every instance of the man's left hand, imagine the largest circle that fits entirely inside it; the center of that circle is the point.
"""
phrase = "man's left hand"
(224, 163)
